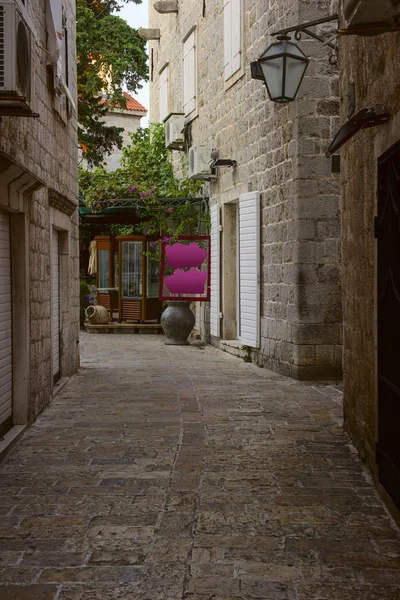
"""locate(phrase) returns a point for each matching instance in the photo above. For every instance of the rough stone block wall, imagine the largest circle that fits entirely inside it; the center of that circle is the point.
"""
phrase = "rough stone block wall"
(369, 66)
(280, 152)
(46, 147)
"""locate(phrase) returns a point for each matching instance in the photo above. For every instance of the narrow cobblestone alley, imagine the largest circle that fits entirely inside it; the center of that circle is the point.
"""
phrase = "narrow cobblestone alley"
(169, 473)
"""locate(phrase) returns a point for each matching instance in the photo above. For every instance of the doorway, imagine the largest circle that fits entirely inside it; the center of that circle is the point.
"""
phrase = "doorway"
(55, 289)
(6, 347)
(388, 289)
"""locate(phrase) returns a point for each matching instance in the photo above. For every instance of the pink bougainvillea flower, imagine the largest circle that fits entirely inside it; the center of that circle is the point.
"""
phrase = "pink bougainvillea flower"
(152, 191)
(171, 209)
(143, 194)
(132, 188)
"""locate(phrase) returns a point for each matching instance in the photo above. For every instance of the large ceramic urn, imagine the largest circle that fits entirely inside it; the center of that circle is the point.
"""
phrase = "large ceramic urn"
(177, 321)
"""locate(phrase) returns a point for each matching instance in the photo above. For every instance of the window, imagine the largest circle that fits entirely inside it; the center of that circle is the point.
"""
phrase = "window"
(131, 269)
(164, 93)
(189, 74)
(104, 269)
(233, 15)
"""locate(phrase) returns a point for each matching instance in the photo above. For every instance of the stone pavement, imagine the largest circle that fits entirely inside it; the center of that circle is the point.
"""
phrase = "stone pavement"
(170, 473)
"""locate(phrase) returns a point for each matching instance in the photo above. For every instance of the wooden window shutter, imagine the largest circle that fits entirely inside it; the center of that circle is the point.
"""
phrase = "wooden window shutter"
(249, 267)
(189, 74)
(54, 30)
(215, 277)
(164, 93)
(227, 38)
(236, 25)
(233, 16)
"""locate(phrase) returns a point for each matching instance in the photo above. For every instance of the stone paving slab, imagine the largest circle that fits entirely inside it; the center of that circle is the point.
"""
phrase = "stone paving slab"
(182, 473)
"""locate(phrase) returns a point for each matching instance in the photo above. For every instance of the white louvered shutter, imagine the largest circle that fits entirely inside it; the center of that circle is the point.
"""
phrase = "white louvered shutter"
(232, 36)
(54, 30)
(189, 74)
(5, 320)
(214, 291)
(55, 318)
(236, 35)
(227, 38)
(249, 267)
(164, 93)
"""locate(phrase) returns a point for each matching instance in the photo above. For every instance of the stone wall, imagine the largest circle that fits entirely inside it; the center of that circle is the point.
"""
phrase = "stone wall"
(280, 152)
(43, 151)
(130, 123)
(370, 65)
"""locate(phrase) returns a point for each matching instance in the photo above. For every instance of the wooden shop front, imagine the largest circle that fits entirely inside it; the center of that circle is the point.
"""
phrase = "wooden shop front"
(128, 278)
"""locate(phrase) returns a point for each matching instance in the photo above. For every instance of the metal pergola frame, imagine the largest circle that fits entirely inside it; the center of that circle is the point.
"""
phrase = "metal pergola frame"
(127, 210)
(138, 202)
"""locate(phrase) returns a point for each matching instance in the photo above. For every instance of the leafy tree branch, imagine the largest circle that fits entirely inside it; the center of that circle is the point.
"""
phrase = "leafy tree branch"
(110, 55)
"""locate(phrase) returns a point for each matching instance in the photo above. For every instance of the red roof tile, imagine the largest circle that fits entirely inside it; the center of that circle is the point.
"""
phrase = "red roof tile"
(131, 104)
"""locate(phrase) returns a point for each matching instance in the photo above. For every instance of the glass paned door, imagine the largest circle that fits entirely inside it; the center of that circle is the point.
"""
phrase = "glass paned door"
(131, 269)
(153, 270)
(104, 270)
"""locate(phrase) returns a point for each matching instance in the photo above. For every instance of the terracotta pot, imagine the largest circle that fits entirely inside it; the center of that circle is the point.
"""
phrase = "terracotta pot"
(97, 315)
(177, 322)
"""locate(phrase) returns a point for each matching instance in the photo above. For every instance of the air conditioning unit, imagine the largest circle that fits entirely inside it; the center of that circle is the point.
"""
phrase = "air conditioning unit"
(199, 162)
(363, 12)
(15, 59)
(174, 136)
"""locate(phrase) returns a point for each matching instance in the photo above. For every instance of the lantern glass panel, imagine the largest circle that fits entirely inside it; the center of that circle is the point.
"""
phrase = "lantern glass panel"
(273, 75)
(294, 74)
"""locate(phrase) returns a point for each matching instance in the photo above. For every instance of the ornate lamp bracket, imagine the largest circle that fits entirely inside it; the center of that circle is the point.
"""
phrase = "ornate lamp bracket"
(304, 29)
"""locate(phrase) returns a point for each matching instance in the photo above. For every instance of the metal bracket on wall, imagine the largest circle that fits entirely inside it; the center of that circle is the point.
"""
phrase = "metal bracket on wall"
(304, 29)
(364, 119)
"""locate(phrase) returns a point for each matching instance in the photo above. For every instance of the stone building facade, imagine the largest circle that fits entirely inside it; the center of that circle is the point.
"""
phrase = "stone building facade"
(370, 170)
(293, 301)
(39, 258)
(129, 119)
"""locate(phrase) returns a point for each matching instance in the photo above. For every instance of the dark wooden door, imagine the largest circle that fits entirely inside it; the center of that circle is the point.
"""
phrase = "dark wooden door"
(388, 234)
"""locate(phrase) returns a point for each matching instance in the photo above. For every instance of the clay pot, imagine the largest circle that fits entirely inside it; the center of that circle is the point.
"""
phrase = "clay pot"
(97, 315)
(177, 322)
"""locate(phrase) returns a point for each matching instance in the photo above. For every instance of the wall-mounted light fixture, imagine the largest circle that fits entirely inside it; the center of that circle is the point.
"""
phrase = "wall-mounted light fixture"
(218, 163)
(364, 119)
(223, 162)
(283, 65)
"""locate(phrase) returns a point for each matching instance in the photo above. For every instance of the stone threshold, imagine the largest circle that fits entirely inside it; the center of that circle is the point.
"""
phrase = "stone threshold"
(231, 346)
(9, 439)
(59, 385)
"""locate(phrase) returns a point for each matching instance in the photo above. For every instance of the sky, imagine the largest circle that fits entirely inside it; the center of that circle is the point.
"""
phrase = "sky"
(137, 15)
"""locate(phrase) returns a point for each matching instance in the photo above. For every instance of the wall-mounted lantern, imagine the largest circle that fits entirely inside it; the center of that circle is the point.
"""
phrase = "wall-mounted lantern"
(283, 65)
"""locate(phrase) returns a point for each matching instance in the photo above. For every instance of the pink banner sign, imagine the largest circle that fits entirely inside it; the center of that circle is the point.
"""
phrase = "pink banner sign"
(180, 256)
(186, 282)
